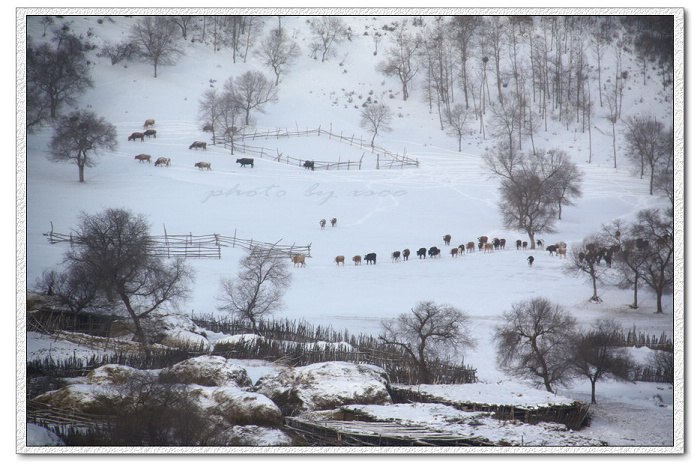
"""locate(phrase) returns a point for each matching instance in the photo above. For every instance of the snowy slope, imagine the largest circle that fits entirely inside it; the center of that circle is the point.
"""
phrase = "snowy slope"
(378, 210)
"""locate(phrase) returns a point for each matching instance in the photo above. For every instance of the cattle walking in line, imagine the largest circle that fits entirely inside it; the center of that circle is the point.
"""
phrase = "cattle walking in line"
(470, 246)
(339, 260)
(496, 243)
(322, 223)
(447, 238)
(299, 260)
(421, 253)
(150, 133)
(406, 253)
(396, 256)
(357, 259)
(518, 244)
(198, 145)
(135, 135)
(524, 244)
(434, 252)
(309, 165)
(162, 161)
(149, 123)
(334, 222)
(203, 165)
(454, 252)
(530, 260)
(503, 243)
(461, 249)
(561, 252)
(488, 247)
(142, 158)
(371, 258)
(540, 244)
(483, 239)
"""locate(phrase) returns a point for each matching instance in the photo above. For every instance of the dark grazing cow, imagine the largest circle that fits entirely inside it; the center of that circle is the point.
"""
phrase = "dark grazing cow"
(197, 145)
(461, 249)
(552, 249)
(530, 260)
(245, 162)
(136, 135)
(518, 244)
(309, 165)
(433, 251)
(334, 222)
(496, 243)
(203, 165)
(396, 256)
(150, 133)
(163, 161)
(371, 258)
(503, 243)
(421, 253)
(406, 253)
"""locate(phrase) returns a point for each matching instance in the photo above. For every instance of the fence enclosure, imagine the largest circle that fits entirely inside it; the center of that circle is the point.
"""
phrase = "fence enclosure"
(384, 159)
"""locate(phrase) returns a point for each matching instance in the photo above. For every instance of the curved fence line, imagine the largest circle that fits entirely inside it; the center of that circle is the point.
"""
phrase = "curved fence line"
(385, 159)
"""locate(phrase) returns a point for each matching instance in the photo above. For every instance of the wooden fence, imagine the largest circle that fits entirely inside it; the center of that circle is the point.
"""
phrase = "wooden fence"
(385, 159)
(198, 246)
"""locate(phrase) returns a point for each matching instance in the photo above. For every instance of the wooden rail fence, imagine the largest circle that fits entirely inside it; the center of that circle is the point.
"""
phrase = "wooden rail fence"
(385, 159)
(198, 246)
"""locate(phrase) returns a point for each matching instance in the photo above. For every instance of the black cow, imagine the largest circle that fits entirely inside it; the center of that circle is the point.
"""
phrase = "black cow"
(530, 260)
(309, 165)
(518, 244)
(406, 253)
(150, 133)
(246, 161)
(421, 253)
(496, 243)
(433, 251)
(552, 249)
(396, 256)
(371, 258)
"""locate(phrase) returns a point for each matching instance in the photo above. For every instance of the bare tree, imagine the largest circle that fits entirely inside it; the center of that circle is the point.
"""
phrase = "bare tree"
(326, 32)
(279, 52)
(114, 249)
(531, 187)
(376, 118)
(567, 185)
(402, 60)
(72, 288)
(458, 126)
(183, 22)
(57, 74)
(533, 342)
(428, 332)
(252, 91)
(597, 355)
(650, 145)
(585, 258)
(258, 288)
(156, 37)
(79, 137)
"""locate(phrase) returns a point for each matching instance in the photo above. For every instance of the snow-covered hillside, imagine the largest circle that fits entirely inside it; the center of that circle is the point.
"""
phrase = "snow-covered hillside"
(378, 211)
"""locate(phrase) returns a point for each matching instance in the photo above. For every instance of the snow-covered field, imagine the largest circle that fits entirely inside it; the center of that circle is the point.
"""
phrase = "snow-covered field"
(378, 210)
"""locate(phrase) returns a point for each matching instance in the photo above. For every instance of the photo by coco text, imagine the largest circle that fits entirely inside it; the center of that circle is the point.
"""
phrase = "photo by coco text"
(313, 192)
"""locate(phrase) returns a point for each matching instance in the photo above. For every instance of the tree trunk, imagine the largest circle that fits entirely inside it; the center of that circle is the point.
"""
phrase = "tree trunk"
(140, 333)
(593, 401)
(81, 172)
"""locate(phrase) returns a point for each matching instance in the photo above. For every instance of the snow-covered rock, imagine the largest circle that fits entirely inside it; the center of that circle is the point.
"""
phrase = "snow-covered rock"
(325, 386)
(207, 370)
(175, 329)
(40, 436)
(235, 406)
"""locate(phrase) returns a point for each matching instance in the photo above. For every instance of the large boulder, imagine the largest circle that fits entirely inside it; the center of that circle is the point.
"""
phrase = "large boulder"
(207, 370)
(324, 386)
(235, 406)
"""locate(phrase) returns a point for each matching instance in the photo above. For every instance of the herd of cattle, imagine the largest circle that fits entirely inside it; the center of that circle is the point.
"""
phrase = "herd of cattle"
(482, 244)
(162, 161)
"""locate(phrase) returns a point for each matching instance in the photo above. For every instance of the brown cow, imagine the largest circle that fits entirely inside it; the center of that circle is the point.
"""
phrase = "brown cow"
(488, 247)
(203, 165)
(136, 135)
(454, 252)
(561, 252)
(142, 157)
(339, 260)
(149, 123)
(406, 253)
(470, 246)
(447, 238)
(299, 260)
(357, 259)
(150, 133)
(162, 161)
